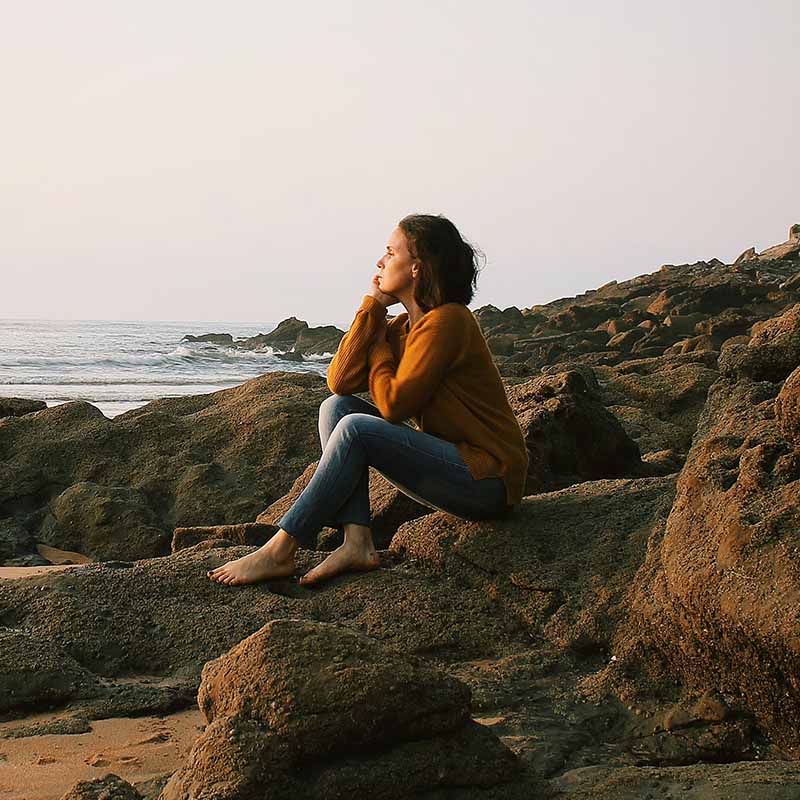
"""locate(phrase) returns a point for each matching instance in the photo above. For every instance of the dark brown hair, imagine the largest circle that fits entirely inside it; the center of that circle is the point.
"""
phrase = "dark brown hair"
(448, 264)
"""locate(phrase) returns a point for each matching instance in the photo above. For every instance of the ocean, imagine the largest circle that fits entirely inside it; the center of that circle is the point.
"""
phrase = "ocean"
(118, 366)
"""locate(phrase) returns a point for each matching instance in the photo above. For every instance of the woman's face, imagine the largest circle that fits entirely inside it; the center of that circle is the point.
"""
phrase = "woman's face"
(396, 269)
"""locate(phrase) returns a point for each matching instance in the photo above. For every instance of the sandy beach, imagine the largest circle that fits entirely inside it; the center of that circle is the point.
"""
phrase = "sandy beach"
(137, 749)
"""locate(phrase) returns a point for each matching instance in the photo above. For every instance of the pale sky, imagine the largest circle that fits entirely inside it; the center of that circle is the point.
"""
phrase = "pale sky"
(190, 160)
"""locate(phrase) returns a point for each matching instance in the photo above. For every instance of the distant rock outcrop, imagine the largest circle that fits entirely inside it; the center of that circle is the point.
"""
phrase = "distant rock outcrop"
(214, 338)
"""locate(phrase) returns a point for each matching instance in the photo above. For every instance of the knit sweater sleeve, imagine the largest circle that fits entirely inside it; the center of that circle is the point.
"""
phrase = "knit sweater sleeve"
(433, 347)
(348, 372)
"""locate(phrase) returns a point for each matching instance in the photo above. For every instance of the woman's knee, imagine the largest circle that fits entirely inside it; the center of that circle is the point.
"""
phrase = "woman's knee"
(353, 424)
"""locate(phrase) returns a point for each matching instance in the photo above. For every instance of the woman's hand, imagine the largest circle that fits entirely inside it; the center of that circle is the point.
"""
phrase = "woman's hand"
(383, 298)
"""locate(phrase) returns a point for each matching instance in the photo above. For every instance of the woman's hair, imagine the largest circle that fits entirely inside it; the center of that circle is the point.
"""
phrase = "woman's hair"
(448, 264)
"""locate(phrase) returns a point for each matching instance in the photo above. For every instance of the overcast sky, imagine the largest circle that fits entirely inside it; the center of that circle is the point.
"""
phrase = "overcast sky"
(247, 161)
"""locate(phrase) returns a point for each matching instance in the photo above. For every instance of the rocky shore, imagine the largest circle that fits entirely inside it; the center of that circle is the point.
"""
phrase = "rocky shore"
(629, 631)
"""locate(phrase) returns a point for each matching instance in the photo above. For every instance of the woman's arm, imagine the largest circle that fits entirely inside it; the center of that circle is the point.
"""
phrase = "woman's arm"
(348, 372)
(433, 347)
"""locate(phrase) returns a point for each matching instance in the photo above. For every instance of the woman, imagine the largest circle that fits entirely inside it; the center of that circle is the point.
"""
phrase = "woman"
(430, 364)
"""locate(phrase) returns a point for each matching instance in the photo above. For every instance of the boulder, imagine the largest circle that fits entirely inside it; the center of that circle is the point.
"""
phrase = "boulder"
(14, 540)
(570, 436)
(87, 518)
(214, 338)
(37, 673)
(311, 709)
(584, 317)
(563, 562)
(110, 787)
(772, 352)
(671, 389)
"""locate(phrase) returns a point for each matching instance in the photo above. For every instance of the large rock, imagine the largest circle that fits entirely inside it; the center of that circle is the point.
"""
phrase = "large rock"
(562, 563)
(570, 436)
(309, 709)
(87, 518)
(718, 595)
(73, 478)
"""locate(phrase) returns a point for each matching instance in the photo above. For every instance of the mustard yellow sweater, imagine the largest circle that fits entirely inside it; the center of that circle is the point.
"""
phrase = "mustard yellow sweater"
(441, 375)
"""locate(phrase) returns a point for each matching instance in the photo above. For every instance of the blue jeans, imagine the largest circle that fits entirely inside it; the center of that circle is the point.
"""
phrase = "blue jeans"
(355, 437)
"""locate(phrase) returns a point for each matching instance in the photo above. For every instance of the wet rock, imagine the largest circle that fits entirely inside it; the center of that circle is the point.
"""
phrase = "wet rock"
(215, 338)
(17, 406)
(569, 434)
(311, 709)
(293, 334)
(292, 355)
(34, 672)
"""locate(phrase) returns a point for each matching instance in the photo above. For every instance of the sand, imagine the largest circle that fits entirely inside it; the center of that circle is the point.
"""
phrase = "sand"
(136, 749)
(59, 560)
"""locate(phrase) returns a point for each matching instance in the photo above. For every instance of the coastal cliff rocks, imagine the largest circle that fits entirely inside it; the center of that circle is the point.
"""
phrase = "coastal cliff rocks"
(17, 406)
(717, 597)
(570, 436)
(71, 478)
(648, 316)
(315, 710)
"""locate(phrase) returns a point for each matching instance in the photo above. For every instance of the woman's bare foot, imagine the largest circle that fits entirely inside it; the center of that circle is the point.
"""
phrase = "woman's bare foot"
(275, 559)
(357, 554)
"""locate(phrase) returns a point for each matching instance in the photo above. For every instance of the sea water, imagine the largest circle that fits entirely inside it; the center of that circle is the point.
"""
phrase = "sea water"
(118, 366)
